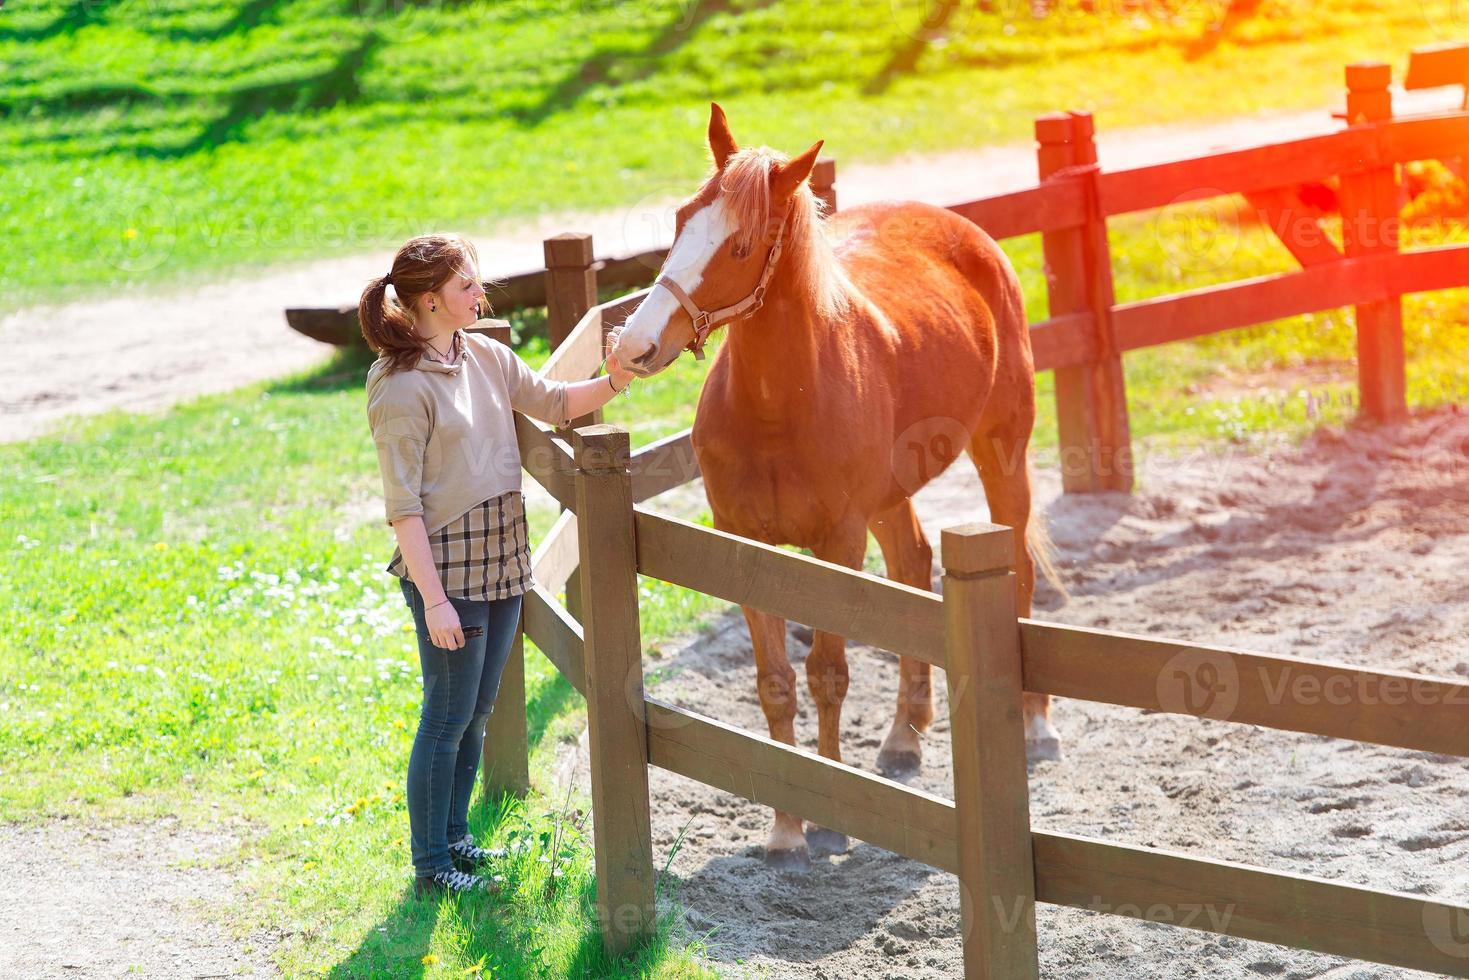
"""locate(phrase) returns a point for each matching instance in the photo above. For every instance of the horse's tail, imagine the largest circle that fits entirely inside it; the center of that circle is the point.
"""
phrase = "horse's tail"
(1042, 548)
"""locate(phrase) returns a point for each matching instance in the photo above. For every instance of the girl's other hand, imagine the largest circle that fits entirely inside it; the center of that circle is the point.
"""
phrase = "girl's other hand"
(443, 627)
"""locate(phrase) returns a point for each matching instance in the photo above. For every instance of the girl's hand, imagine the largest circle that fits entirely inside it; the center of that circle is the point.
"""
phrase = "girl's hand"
(621, 377)
(443, 627)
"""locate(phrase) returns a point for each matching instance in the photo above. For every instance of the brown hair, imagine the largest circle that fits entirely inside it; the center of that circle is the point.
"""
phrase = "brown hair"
(422, 265)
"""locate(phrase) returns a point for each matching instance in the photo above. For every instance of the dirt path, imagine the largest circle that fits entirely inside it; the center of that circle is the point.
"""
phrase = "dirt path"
(147, 349)
(1351, 548)
(122, 899)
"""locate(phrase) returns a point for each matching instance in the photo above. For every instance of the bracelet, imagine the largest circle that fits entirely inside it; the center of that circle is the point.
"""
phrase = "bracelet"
(436, 605)
(615, 388)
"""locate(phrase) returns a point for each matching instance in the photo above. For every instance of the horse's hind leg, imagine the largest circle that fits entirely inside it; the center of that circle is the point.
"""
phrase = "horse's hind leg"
(909, 559)
(999, 455)
(776, 685)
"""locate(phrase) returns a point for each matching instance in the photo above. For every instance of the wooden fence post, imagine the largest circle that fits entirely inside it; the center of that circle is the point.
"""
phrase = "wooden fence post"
(991, 794)
(824, 182)
(571, 283)
(1371, 227)
(506, 755)
(616, 718)
(571, 290)
(1091, 399)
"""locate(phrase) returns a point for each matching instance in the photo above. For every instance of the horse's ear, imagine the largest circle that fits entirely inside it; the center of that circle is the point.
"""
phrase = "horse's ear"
(789, 176)
(721, 140)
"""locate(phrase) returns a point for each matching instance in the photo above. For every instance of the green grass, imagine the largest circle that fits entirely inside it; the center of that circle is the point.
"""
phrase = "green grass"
(165, 140)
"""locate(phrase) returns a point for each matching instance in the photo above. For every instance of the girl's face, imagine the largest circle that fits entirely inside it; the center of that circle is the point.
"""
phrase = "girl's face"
(458, 299)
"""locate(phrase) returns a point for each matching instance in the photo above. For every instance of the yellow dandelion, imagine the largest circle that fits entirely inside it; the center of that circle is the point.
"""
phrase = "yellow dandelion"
(429, 959)
(478, 968)
(160, 546)
(130, 233)
(258, 773)
(308, 865)
(361, 802)
(306, 821)
(402, 725)
(408, 627)
(314, 760)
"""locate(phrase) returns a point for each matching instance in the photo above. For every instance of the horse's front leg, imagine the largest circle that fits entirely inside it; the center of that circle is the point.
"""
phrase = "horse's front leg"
(827, 677)
(775, 680)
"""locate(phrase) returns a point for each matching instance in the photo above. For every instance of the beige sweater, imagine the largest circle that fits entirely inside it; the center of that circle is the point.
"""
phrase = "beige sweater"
(444, 433)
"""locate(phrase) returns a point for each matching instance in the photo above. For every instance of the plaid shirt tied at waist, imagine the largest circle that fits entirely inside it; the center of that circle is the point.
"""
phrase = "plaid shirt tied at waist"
(484, 553)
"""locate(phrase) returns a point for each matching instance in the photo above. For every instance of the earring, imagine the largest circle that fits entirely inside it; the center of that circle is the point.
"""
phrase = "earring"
(432, 308)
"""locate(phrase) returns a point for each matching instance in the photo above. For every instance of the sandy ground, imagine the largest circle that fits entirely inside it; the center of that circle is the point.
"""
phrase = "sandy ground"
(1351, 548)
(146, 349)
(126, 899)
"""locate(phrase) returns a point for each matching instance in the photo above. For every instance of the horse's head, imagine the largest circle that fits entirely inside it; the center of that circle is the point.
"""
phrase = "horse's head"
(725, 249)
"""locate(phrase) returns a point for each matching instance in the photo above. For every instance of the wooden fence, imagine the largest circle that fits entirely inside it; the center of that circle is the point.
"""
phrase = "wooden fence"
(604, 539)
(989, 657)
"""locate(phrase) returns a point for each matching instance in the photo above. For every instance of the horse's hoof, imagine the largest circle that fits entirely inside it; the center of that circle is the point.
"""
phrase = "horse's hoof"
(1046, 749)
(804, 634)
(823, 841)
(794, 859)
(900, 765)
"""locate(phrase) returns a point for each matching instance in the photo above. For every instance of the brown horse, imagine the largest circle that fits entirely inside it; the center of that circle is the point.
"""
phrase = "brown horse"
(871, 349)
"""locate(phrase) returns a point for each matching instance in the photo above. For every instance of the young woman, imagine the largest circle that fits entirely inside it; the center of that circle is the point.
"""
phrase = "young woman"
(439, 402)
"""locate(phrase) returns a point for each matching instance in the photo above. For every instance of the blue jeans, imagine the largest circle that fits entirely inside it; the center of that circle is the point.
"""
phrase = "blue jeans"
(459, 688)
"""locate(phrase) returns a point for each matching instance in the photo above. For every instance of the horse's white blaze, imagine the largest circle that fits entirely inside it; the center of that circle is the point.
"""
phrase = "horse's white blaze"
(702, 237)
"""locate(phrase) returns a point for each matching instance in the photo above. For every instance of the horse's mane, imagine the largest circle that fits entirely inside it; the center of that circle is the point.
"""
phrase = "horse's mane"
(807, 254)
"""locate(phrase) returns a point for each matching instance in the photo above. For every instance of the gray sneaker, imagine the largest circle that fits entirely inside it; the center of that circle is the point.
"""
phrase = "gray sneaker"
(468, 857)
(448, 883)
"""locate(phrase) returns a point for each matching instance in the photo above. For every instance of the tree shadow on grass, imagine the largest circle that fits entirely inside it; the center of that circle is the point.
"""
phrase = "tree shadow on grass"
(335, 85)
(77, 15)
(248, 15)
(599, 68)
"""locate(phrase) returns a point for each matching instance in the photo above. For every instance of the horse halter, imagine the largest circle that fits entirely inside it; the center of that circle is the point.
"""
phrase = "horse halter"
(707, 320)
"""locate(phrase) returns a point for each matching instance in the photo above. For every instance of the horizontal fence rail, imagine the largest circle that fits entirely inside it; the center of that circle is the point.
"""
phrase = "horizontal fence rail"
(1317, 697)
(824, 596)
